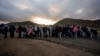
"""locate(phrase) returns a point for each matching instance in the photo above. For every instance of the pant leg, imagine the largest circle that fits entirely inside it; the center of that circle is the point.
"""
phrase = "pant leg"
(5, 35)
(20, 34)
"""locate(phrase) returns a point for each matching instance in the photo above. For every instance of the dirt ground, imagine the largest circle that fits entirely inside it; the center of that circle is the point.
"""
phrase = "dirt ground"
(49, 47)
(87, 45)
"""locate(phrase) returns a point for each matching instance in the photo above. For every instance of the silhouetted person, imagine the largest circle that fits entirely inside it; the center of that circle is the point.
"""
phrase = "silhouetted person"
(0, 30)
(24, 31)
(11, 31)
(94, 33)
(20, 31)
(5, 30)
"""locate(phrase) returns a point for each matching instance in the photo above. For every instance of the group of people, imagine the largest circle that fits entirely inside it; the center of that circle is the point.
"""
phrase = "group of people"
(48, 31)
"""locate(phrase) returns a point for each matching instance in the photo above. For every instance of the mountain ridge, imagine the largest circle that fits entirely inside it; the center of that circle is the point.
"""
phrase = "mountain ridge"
(22, 23)
(66, 22)
(80, 22)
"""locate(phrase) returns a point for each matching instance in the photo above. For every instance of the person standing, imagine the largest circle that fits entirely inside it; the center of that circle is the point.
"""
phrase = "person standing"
(5, 30)
(12, 31)
(20, 31)
(29, 31)
(94, 33)
(75, 30)
(25, 31)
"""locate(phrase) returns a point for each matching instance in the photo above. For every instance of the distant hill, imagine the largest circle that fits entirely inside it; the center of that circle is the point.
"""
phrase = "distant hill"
(65, 22)
(22, 23)
(70, 21)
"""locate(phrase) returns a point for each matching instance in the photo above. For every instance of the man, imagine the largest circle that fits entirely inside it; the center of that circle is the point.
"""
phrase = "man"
(0, 30)
(5, 30)
(94, 33)
(20, 31)
(12, 31)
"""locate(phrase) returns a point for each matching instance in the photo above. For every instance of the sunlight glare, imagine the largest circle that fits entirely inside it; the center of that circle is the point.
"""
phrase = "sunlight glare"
(42, 21)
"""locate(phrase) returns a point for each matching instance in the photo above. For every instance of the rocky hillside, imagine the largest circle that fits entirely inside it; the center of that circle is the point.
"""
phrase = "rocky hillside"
(89, 23)
(22, 23)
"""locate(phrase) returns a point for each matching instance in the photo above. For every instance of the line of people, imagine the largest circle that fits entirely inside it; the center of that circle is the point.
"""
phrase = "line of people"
(49, 31)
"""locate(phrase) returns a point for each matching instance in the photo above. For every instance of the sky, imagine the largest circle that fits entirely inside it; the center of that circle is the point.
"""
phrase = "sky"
(54, 10)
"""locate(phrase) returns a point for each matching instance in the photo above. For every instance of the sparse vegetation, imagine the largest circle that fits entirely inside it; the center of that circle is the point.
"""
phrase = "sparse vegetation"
(88, 23)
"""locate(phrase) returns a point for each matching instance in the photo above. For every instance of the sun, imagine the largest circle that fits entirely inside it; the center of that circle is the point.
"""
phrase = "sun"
(42, 21)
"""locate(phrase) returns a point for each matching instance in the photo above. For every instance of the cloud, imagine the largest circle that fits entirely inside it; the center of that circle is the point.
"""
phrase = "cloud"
(79, 11)
(21, 10)
(3, 22)
(22, 6)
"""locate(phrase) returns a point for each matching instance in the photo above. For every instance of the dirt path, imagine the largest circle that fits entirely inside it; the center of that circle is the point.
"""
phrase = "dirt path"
(87, 45)
(31, 47)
